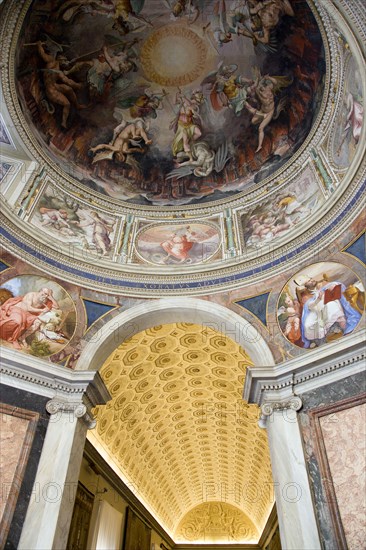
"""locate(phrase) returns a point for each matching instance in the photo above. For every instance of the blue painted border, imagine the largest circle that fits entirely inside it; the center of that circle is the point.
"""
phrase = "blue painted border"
(120, 283)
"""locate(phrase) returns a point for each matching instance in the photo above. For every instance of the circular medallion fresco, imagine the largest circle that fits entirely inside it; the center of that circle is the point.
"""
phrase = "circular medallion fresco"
(37, 315)
(320, 304)
(170, 102)
(178, 243)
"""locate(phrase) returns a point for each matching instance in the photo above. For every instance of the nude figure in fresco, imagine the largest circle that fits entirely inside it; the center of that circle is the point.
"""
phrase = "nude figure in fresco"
(127, 138)
(265, 17)
(265, 90)
(60, 89)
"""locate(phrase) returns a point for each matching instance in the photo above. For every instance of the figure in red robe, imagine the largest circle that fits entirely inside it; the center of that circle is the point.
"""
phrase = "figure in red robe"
(19, 315)
(179, 245)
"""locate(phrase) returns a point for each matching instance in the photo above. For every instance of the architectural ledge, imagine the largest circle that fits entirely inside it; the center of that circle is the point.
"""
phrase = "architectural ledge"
(47, 379)
(313, 369)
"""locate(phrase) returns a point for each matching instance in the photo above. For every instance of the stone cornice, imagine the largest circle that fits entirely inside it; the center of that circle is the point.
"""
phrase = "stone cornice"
(47, 379)
(314, 369)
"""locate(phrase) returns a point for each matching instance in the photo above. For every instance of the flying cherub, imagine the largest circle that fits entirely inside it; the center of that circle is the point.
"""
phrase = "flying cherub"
(266, 109)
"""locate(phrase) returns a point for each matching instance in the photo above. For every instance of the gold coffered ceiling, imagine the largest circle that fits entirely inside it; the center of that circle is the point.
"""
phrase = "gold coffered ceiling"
(177, 429)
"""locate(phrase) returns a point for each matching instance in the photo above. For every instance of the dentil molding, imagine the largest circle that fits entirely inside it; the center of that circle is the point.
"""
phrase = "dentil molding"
(318, 367)
(74, 392)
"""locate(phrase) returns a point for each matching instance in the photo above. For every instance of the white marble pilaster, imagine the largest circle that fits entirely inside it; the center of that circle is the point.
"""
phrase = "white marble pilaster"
(72, 396)
(295, 509)
(50, 508)
(273, 388)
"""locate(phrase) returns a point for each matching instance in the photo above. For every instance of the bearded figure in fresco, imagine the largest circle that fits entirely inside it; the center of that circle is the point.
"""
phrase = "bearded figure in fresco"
(179, 245)
(326, 313)
(19, 316)
(168, 77)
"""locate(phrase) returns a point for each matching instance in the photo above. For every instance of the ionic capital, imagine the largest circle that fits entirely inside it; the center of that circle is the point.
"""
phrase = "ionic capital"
(76, 408)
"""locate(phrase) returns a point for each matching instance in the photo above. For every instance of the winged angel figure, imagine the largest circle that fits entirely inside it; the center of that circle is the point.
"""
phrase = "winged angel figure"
(122, 11)
(204, 161)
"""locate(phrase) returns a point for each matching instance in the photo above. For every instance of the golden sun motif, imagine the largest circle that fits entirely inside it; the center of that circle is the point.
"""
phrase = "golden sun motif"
(173, 56)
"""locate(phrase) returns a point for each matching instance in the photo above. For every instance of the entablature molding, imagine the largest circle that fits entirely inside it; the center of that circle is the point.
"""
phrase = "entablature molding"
(75, 392)
(316, 368)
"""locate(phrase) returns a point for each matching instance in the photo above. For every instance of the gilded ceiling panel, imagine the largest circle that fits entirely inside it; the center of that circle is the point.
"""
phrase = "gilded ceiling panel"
(182, 436)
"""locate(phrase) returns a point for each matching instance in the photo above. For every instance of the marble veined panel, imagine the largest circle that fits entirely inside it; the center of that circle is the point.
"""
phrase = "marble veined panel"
(16, 434)
(344, 434)
(12, 434)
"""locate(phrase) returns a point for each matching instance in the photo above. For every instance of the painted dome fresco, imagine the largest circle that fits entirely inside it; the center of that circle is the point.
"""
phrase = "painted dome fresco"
(166, 102)
(169, 145)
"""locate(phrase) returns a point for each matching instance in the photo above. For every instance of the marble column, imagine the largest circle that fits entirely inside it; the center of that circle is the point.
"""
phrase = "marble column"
(50, 508)
(295, 509)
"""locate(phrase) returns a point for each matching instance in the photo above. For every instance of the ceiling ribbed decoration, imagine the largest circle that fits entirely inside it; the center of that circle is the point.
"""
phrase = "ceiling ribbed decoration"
(182, 436)
(214, 522)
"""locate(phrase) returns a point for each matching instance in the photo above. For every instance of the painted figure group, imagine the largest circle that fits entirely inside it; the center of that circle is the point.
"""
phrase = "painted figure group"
(322, 310)
(75, 93)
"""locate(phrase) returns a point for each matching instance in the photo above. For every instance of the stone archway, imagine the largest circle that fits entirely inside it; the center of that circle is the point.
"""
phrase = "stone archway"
(183, 402)
(189, 310)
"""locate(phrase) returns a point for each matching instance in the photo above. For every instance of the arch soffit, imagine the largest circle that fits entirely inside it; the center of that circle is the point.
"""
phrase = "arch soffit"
(109, 335)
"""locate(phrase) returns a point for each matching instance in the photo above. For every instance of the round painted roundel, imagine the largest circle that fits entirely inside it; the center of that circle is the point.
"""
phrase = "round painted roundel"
(170, 102)
(320, 304)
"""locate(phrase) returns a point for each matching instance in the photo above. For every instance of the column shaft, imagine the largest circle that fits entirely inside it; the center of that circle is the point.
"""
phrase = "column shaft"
(295, 509)
(50, 508)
